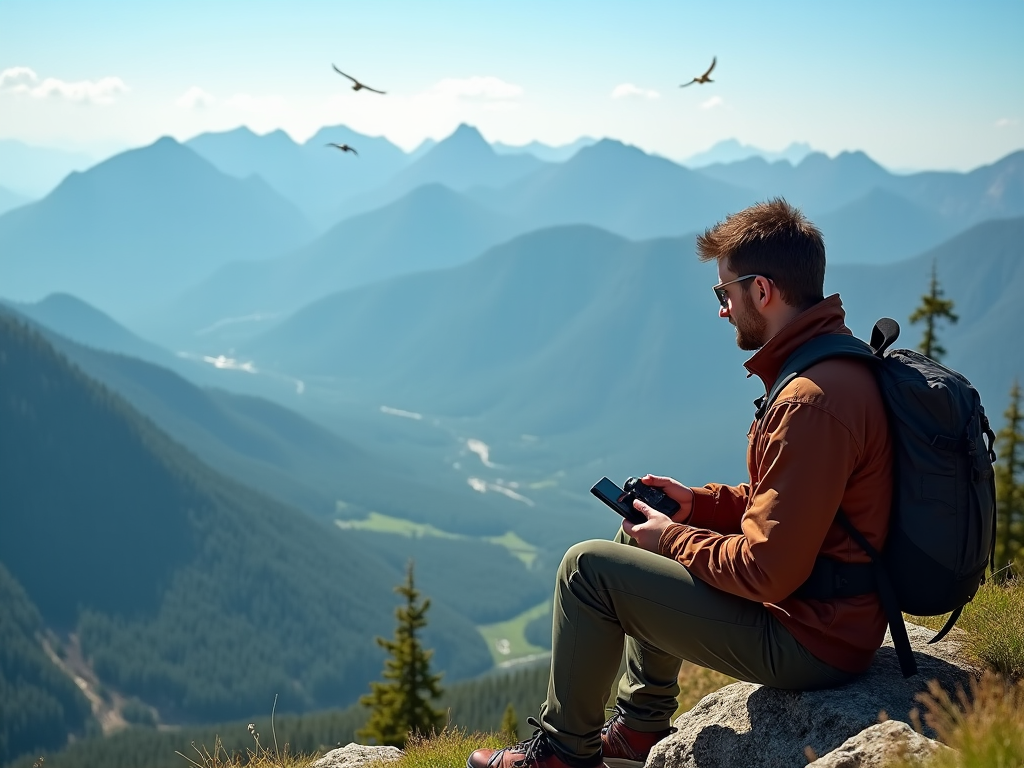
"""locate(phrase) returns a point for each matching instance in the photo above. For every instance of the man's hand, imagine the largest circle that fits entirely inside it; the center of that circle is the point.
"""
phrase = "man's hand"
(647, 535)
(675, 491)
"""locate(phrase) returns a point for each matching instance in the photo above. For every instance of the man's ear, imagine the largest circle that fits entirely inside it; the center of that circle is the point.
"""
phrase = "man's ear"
(765, 287)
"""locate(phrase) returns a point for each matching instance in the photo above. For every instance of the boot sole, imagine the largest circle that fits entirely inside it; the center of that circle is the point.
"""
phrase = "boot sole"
(621, 762)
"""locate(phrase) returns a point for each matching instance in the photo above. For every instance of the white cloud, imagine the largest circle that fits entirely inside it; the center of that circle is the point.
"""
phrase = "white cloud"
(1007, 122)
(195, 98)
(259, 105)
(25, 81)
(628, 90)
(713, 103)
(475, 88)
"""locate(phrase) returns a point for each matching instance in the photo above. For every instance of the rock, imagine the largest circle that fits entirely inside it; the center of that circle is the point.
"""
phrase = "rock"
(877, 746)
(357, 755)
(757, 727)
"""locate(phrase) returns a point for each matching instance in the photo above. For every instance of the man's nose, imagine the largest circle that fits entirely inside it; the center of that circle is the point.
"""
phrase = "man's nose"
(723, 311)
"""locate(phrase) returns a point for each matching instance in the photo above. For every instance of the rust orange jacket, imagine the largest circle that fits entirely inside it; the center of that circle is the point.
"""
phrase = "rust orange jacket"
(824, 444)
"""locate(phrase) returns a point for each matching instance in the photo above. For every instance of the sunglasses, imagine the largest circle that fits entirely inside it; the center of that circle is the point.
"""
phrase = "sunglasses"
(723, 295)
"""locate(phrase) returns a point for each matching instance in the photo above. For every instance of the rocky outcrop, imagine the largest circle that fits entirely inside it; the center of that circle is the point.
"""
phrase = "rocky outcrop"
(356, 756)
(879, 745)
(757, 727)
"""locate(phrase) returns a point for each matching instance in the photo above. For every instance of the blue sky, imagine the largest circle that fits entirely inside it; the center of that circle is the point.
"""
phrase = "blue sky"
(915, 84)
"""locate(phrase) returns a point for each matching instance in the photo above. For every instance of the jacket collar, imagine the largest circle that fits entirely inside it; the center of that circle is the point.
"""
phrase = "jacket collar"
(827, 316)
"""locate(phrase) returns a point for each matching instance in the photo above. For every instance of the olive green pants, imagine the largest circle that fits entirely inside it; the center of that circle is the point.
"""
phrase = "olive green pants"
(607, 595)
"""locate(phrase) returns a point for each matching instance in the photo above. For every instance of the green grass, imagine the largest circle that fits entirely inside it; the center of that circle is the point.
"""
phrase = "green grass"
(378, 523)
(448, 749)
(985, 726)
(525, 551)
(514, 632)
(994, 626)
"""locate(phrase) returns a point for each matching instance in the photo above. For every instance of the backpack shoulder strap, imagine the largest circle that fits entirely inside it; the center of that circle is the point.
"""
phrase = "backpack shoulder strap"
(814, 351)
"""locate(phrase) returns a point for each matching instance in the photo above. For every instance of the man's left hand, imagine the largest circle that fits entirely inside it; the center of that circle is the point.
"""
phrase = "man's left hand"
(647, 535)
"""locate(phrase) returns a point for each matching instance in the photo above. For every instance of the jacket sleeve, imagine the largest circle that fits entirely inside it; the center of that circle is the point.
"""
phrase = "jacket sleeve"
(804, 458)
(719, 507)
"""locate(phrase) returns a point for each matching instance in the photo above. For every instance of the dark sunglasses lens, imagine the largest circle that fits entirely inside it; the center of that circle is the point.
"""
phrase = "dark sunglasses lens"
(723, 297)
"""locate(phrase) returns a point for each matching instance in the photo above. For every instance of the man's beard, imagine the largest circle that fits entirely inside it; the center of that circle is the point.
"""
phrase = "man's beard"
(750, 326)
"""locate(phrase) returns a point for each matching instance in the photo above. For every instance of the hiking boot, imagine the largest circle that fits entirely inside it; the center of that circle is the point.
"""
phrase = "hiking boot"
(624, 747)
(535, 752)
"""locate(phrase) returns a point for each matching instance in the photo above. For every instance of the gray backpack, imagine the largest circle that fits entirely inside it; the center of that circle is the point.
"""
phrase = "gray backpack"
(941, 532)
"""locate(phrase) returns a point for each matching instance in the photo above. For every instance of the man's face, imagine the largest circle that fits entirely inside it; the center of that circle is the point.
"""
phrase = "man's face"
(751, 327)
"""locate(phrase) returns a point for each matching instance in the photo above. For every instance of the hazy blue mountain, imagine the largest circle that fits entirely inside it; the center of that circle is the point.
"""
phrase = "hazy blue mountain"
(185, 589)
(881, 227)
(462, 161)
(820, 185)
(732, 150)
(566, 331)
(314, 177)
(81, 322)
(982, 271)
(34, 171)
(621, 189)
(430, 228)
(276, 450)
(545, 152)
(817, 184)
(612, 350)
(9, 200)
(989, 192)
(139, 228)
(422, 148)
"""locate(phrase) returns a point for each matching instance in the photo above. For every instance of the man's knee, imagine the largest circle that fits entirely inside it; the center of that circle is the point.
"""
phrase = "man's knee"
(584, 556)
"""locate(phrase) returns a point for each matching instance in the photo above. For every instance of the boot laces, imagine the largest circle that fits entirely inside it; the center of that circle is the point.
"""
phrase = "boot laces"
(535, 748)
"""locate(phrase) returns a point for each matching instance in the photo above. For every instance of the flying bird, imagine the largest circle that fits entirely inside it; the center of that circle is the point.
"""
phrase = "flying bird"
(703, 78)
(356, 85)
(343, 148)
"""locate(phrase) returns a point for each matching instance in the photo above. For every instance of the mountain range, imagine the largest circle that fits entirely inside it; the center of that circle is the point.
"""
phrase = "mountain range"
(732, 151)
(314, 177)
(33, 171)
(430, 228)
(184, 588)
(581, 337)
(144, 224)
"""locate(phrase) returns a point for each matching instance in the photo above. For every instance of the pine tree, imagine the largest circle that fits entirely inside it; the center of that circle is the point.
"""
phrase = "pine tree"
(1010, 488)
(932, 308)
(510, 723)
(403, 704)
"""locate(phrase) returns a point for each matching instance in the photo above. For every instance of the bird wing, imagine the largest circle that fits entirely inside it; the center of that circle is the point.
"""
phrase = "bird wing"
(344, 75)
(689, 83)
(714, 60)
(374, 90)
(348, 148)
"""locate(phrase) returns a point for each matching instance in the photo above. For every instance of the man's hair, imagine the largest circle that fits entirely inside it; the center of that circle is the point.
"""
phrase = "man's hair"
(775, 240)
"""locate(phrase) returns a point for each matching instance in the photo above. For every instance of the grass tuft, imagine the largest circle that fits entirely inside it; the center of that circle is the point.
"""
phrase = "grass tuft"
(255, 757)
(985, 726)
(994, 623)
(447, 749)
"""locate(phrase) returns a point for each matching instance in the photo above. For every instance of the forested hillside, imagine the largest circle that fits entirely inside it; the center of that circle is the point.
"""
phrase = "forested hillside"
(187, 590)
(39, 705)
(474, 705)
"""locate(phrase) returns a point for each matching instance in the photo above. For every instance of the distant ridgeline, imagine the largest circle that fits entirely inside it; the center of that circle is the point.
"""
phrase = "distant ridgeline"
(194, 594)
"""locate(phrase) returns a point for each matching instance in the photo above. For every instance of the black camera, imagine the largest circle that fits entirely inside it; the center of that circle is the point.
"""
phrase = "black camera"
(651, 496)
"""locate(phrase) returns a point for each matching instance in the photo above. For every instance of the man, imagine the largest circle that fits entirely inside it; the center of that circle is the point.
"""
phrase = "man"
(715, 583)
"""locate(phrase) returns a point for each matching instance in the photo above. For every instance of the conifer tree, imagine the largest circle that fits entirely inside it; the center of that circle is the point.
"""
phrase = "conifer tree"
(933, 307)
(1010, 488)
(510, 723)
(402, 705)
